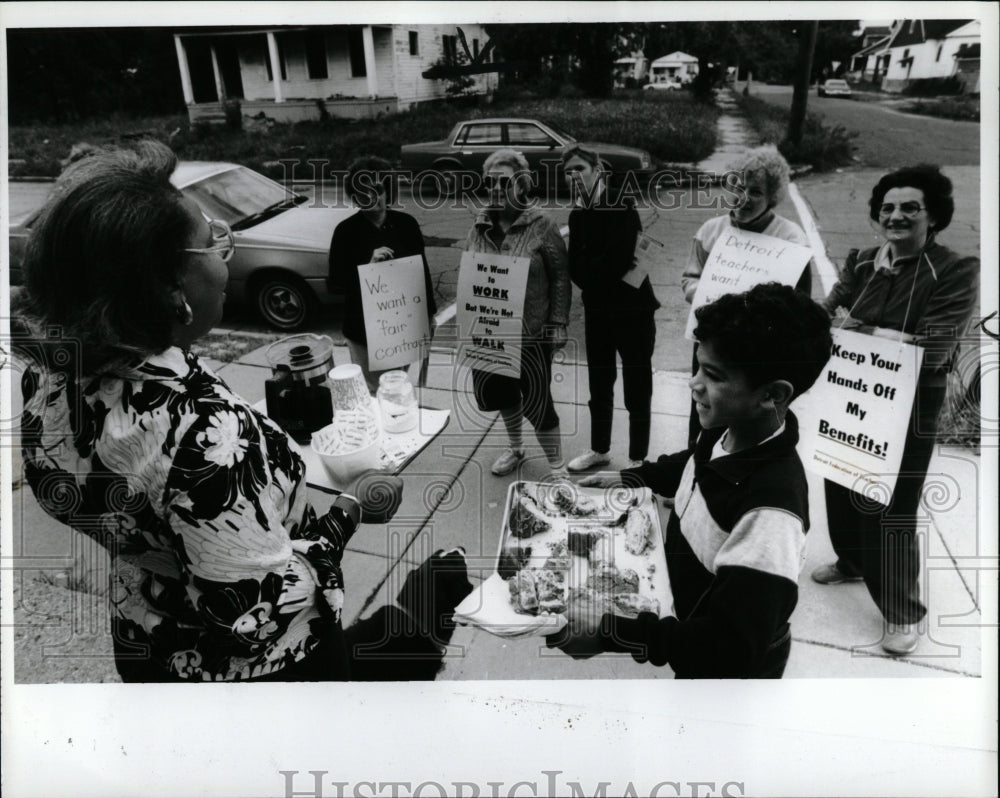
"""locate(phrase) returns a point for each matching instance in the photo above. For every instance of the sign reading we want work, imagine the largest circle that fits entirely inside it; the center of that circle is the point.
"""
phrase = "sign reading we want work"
(490, 307)
(854, 420)
(739, 260)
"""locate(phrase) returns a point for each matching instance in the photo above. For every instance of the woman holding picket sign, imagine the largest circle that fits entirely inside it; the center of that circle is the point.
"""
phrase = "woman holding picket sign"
(618, 315)
(375, 233)
(760, 181)
(515, 227)
(911, 289)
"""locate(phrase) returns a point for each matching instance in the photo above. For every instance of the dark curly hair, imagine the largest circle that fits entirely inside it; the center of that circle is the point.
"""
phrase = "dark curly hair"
(771, 332)
(105, 255)
(926, 177)
(365, 173)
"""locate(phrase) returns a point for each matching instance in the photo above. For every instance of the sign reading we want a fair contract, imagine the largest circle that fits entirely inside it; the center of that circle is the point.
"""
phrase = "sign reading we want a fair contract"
(490, 307)
(855, 418)
(739, 260)
(394, 301)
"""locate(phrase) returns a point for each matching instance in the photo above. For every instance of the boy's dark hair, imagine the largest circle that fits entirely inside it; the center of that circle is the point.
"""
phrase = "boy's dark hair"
(365, 173)
(771, 332)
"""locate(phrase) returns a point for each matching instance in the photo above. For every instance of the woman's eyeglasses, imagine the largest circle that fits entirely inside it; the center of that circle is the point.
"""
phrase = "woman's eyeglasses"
(224, 243)
(908, 209)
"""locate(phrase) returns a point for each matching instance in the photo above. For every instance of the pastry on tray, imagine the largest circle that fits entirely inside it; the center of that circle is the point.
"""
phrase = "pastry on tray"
(638, 532)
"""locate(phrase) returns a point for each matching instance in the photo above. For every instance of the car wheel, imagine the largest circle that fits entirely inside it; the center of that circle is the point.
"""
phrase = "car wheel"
(284, 301)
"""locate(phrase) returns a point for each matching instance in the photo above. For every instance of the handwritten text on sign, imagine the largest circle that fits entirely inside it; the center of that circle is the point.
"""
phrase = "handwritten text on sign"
(490, 302)
(394, 301)
(855, 418)
(739, 261)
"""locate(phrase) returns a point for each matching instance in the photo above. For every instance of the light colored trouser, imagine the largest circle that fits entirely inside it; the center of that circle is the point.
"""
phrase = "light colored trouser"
(359, 355)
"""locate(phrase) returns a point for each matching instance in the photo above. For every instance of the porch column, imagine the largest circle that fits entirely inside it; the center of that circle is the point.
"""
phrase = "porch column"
(182, 63)
(220, 87)
(272, 53)
(369, 44)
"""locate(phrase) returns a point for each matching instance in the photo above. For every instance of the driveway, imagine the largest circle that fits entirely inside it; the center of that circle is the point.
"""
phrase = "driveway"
(888, 137)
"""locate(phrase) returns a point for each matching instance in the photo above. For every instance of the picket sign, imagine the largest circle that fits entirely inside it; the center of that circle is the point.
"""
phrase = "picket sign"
(739, 261)
(394, 301)
(490, 300)
(649, 253)
(853, 422)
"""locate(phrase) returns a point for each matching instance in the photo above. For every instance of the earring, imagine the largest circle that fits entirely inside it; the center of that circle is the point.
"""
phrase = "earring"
(184, 314)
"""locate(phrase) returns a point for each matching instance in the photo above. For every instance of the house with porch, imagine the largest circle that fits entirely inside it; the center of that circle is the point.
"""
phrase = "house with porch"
(927, 48)
(632, 67)
(870, 62)
(295, 73)
(676, 65)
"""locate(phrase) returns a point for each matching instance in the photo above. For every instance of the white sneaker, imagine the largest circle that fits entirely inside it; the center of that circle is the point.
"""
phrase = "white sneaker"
(589, 459)
(557, 473)
(507, 461)
(634, 463)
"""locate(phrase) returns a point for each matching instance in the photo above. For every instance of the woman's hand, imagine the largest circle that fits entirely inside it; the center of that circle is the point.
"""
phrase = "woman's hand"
(602, 479)
(379, 495)
(557, 336)
(382, 253)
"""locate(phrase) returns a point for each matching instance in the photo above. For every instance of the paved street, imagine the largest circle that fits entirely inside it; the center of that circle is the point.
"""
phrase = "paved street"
(888, 137)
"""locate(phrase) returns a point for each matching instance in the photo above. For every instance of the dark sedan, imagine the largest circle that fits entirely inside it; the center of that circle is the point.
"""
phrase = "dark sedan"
(469, 143)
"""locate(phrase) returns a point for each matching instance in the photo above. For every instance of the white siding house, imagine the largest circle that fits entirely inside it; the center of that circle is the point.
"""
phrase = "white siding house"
(678, 65)
(922, 49)
(291, 74)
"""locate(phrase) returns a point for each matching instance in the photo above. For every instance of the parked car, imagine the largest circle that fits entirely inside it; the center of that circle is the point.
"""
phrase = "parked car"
(668, 84)
(282, 247)
(834, 88)
(468, 144)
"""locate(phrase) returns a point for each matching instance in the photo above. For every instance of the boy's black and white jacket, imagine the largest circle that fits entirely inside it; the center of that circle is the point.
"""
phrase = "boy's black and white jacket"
(735, 547)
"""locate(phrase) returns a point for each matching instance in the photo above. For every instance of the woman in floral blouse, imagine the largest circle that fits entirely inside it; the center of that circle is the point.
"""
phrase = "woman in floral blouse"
(221, 570)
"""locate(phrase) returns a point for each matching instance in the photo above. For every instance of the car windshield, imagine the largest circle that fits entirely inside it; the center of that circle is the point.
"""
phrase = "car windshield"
(560, 132)
(240, 197)
(836, 84)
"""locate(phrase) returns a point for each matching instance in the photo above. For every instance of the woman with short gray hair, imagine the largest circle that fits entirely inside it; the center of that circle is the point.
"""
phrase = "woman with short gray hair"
(513, 226)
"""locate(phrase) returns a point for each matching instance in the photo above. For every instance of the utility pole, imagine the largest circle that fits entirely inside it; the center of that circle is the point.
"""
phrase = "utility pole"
(803, 70)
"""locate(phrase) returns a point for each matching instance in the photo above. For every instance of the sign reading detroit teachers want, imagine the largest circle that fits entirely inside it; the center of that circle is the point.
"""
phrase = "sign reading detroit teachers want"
(853, 421)
(739, 261)
(394, 301)
(490, 305)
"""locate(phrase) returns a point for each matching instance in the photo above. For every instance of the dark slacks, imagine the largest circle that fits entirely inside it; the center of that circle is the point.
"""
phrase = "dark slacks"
(880, 543)
(532, 390)
(631, 336)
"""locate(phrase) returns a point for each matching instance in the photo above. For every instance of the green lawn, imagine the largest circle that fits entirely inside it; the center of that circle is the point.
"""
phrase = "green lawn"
(672, 127)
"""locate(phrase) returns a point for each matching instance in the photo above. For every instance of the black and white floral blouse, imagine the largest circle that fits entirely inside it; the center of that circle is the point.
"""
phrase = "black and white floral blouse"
(220, 568)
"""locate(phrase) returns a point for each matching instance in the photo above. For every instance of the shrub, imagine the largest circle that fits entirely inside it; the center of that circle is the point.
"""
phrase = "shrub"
(962, 107)
(932, 87)
(821, 147)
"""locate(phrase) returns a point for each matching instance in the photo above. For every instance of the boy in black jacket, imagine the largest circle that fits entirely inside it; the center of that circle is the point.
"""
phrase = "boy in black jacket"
(736, 539)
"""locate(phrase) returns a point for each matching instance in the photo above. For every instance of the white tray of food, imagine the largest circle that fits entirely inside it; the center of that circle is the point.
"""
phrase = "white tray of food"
(560, 542)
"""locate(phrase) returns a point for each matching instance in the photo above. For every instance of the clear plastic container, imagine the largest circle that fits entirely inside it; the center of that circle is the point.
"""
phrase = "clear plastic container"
(397, 402)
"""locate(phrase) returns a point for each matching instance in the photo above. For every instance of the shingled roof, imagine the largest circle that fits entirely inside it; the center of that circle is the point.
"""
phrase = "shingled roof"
(918, 31)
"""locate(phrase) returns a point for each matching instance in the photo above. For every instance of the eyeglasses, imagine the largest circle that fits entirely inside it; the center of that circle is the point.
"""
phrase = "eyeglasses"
(497, 181)
(908, 209)
(224, 242)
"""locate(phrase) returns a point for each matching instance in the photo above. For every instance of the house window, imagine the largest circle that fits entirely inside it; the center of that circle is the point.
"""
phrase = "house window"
(449, 44)
(316, 55)
(281, 59)
(414, 43)
(356, 47)
(475, 48)
(938, 56)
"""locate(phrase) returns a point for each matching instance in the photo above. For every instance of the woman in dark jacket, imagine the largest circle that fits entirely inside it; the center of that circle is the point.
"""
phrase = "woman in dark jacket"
(375, 233)
(618, 318)
(915, 290)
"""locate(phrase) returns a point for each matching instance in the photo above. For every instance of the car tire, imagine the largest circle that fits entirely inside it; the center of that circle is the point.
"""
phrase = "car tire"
(284, 301)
